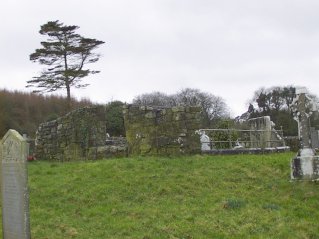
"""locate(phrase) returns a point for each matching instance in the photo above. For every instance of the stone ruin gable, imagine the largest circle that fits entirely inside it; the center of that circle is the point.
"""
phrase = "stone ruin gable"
(265, 135)
(162, 131)
(81, 134)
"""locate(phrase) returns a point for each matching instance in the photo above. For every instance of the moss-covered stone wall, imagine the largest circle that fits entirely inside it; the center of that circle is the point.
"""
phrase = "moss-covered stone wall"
(81, 134)
(162, 131)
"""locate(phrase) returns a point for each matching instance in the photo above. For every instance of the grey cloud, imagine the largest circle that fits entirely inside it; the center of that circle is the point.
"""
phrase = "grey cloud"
(229, 48)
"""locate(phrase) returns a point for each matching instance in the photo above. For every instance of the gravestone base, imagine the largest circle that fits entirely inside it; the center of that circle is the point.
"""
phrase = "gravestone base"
(305, 168)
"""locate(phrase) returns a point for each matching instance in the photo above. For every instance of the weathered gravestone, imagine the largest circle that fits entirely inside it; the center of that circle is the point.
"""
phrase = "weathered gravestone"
(15, 197)
(305, 166)
(205, 141)
(260, 134)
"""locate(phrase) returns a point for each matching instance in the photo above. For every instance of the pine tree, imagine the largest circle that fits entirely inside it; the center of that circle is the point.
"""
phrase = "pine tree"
(65, 53)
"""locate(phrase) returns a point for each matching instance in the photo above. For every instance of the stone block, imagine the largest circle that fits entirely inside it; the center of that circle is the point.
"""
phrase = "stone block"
(178, 109)
(305, 168)
(150, 115)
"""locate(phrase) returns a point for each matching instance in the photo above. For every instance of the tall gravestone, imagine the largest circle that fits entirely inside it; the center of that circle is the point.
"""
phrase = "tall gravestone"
(305, 166)
(15, 197)
(260, 134)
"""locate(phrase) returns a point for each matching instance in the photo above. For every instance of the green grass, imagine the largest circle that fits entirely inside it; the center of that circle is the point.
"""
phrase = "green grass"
(240, 196)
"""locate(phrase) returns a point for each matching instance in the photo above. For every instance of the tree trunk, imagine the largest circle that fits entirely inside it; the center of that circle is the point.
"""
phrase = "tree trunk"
(68, 89)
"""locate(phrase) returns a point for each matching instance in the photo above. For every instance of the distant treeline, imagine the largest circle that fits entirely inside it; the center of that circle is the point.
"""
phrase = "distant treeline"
(25, 111)
(277, 102)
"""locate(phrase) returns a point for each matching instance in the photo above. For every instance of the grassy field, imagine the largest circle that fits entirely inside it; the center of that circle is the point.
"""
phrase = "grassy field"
(240, 196)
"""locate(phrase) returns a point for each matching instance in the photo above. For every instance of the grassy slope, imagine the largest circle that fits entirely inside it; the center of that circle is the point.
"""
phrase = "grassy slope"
(241, 196)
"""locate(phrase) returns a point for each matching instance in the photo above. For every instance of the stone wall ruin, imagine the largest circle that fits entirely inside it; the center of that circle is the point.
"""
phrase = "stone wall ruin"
(162, 131)
(79, 135)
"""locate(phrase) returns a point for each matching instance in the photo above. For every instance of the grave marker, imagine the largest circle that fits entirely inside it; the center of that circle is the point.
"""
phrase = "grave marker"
(305, 166)
(15, 197)
(205, 141)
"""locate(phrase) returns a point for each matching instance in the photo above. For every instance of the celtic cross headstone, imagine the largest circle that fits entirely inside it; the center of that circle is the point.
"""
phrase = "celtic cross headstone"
(305, 166)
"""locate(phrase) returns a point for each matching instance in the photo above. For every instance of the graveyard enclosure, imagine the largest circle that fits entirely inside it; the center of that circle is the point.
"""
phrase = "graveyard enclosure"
(81, 134)
(162, 131)
(259, 136)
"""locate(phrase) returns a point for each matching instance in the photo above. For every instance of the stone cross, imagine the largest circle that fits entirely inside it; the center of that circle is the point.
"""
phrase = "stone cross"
(305, 166)
(302, 117)
(14, 190)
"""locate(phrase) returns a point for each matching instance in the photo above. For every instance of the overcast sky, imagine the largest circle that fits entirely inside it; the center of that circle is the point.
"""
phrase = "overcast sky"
(229, 48)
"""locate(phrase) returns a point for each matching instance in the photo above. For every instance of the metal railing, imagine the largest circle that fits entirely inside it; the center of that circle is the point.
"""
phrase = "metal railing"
(237, 138)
